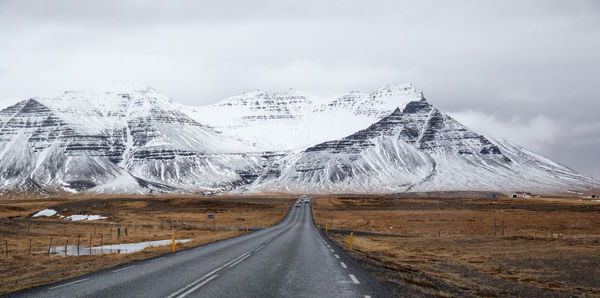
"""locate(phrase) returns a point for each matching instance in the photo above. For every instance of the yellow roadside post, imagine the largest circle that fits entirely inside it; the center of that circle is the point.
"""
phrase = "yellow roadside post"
(351, 236)
(325, 228)
(246, 228)
(173, 238)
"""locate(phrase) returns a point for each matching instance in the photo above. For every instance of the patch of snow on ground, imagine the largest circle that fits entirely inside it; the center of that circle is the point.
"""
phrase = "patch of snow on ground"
(133, 247)
(76, 217)
(45, 212)
(73, 250)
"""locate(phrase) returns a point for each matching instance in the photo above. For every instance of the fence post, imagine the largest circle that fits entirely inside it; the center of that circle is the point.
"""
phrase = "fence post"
(90, 247)
(6, 246)
(66, 244)
(502, 228)
(30, 246)
(78, 238)
(118, 233)
(494, 226)
(49, 246)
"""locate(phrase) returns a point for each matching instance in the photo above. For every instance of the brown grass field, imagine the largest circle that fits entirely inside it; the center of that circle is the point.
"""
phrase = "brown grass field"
(550, 246)
(139, 218)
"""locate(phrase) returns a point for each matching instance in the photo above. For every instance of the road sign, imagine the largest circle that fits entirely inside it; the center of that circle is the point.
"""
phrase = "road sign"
(211, 216)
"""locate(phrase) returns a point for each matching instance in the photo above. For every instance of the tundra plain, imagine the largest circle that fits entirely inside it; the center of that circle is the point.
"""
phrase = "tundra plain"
(129, 219)
(446, 246)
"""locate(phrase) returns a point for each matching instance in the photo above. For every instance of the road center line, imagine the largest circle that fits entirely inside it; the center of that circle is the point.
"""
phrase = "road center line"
(353, 278)
(123, 269)
(336, 256)
(68, 284)
(239, 261)
(332, 250)
(209, 274)
(196, 287)
(367, 296)
(343, 265)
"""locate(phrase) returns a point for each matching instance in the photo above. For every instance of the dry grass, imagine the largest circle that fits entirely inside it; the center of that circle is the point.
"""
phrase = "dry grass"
(466, 258)
(137, 218)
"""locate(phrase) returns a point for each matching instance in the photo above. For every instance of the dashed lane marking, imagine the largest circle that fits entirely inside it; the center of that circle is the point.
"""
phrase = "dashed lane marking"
(343, 265)
(156, 260)
(121, 269)
(70, 283)
(336, 256)
(332, 250)
(353, 278)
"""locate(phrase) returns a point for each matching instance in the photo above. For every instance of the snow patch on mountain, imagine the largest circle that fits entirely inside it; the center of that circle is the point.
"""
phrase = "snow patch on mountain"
(291, 121)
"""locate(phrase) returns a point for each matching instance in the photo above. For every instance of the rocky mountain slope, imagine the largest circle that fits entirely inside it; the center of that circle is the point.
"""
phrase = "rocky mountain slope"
(417, 149)
(137, 140)
(126, 141)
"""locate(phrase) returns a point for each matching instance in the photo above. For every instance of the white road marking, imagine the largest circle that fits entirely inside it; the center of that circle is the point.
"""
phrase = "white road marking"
(353, 278)
(156, 260)
(196, 287)
(344, 265)
(332, 250)
(336, 256)
(367, 296)
(68, 284)
(239, 261)
(210, 273)
(123, 269)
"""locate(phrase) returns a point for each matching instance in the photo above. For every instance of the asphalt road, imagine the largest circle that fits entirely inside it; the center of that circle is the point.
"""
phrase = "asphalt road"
(291, 259)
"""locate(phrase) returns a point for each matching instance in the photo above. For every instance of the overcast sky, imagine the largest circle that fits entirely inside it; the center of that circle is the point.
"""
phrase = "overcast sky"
(526, 71)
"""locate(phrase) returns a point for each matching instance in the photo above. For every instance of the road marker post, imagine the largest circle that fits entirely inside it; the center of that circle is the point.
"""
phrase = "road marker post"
(246, 228)
(351, 237)
(325, 228)
(173, 238)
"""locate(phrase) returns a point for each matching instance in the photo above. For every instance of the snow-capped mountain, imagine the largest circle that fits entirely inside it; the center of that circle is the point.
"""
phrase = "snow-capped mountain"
(291, 121)
(136, 140)
(419, 149)
(115, 141)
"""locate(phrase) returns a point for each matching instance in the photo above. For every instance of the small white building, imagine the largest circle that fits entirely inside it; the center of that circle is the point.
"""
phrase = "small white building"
(521, 194)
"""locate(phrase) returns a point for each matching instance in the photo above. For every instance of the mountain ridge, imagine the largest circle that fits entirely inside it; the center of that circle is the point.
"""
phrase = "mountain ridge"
(137, 140)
